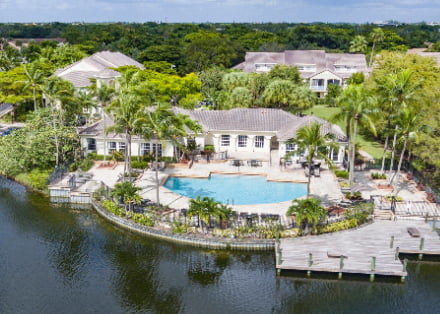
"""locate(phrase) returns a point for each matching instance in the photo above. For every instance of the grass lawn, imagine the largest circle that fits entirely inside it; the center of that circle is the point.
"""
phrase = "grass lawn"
(368, 145)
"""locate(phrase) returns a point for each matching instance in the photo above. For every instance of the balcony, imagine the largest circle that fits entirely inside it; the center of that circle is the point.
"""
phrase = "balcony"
(318, 88)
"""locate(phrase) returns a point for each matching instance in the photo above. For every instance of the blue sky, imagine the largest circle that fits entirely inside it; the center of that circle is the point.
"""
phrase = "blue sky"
(219, 10)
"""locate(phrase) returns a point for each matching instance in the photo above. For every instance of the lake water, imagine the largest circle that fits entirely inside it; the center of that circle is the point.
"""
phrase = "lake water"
(56, 259)
(237, 189)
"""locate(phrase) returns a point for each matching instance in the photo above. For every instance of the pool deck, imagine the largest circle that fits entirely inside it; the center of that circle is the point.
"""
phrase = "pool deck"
(368, 250)
(324, 187)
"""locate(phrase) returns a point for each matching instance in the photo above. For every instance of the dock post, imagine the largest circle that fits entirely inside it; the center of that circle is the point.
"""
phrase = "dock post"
(392, 242)
(426, 217)
(405, 262)
(310, 263)
(341, 265)
(421, 246)
(433, 224)
(396, 256)
(373, 267)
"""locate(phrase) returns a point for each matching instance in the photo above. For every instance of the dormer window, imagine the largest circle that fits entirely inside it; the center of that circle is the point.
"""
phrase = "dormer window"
(264, 67)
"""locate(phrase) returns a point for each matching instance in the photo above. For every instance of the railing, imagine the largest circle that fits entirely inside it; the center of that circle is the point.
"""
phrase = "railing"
(318, 88)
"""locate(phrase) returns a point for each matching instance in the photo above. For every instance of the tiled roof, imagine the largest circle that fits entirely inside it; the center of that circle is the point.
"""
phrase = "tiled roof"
(99, 64)
(319, 58)
(283, 124)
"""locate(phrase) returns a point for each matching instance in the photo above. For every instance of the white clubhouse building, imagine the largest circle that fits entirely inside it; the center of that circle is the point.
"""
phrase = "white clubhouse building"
(245, 134)
(316, 67)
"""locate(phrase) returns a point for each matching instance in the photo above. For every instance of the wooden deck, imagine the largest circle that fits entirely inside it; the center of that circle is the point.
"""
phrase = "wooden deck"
(370, 250)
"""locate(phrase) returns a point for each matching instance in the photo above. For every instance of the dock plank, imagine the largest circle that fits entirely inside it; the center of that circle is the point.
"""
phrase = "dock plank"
(359, 246)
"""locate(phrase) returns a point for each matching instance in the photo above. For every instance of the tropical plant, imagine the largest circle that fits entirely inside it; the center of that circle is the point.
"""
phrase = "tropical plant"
(104, 95)
(358, 44)
(34, 81)
(162, 124)
(127, 193)
(308, 213)
(377, 36)
(409, 124)
(125, 110)
(357, 107)
(203, 208)
(310, 141)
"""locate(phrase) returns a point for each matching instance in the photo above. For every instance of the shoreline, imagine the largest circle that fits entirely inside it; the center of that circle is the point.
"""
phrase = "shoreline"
(200, 242)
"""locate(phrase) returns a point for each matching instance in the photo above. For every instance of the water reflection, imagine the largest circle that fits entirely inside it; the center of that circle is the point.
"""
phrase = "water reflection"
(55, 259)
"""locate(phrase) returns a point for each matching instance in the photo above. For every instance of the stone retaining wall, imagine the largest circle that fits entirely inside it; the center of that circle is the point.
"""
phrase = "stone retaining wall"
(255, 245)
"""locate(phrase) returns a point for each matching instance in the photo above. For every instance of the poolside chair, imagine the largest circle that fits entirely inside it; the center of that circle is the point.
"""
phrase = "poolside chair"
(236, 163)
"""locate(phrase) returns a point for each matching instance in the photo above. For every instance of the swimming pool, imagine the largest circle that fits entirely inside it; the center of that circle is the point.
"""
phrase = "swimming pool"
(237, 189)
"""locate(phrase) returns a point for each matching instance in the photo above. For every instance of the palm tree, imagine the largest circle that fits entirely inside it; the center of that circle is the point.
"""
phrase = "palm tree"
(125, 110)
(397, 91)
(203, 208)
(104, 95)
(56, 92)
(127, 192)
(308, 213)
(162, 124)
(357, 107)
(409, 125)
(358, 44)
(34, 77)
(377, 36)
(310, 140)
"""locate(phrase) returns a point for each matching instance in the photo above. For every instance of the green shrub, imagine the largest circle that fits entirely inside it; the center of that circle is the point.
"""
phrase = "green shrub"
(85, 164)
(390, 198)
(355, 196)
(360, 212)
(179, 227)
(143, 220)
(139, 164)
(36, 179)
(341, 174)
(209, 148)
(339, 226)
(270, 232)
(378, 176)
(113, 208)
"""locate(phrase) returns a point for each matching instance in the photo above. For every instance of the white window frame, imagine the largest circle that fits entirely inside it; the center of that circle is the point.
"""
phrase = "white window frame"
(225, 140)
(259, 141)
(121, 147)
(291, 148)
(145, 149)
(91, 142)
(112, 147)
(242, 141)
(157, 146)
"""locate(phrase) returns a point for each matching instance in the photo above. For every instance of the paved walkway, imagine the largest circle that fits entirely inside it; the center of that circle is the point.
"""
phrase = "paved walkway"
(405, 189)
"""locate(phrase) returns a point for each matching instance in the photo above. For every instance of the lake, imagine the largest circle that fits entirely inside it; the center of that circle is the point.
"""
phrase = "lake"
(57, 259)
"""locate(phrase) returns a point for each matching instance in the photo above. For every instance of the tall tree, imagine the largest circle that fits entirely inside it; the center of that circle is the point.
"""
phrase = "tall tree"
(125, 110)
(377, 36)
(104, 96)
(34, 80)
(409, 124)
(357, 107)
(310, 141)
(163, 125)
(358, 44)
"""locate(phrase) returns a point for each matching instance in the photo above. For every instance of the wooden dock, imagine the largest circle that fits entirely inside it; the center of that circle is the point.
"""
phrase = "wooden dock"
(371, 250)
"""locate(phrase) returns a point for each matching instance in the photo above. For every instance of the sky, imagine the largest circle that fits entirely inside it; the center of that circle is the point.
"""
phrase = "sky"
(357, 11)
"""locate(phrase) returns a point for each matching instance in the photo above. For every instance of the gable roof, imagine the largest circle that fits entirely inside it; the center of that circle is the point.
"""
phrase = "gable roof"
(99, 64)
(319, 58)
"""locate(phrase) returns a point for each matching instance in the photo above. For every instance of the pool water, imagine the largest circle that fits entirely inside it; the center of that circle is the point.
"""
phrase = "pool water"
(237, 189)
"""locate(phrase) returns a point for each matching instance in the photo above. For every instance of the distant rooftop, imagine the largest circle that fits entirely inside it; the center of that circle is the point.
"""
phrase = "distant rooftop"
(98, 65)
(311, 61)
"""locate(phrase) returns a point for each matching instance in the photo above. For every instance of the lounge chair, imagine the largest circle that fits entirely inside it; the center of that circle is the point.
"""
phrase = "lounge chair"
(237, 163)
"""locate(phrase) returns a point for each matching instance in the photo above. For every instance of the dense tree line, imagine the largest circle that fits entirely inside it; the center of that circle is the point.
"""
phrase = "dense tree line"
(193, 47)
